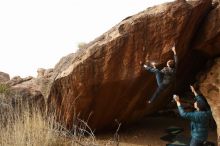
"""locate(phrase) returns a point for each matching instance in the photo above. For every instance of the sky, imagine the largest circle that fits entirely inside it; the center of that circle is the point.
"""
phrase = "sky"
(37, 33)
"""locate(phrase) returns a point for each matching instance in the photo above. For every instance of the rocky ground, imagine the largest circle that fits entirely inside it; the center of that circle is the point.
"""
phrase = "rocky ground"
(150, 130)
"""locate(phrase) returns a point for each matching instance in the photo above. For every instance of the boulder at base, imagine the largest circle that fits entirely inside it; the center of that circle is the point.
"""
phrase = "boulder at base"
(210, 88)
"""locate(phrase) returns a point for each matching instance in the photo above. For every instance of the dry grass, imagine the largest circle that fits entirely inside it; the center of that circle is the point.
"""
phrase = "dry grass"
(32, 129)
(27, 126)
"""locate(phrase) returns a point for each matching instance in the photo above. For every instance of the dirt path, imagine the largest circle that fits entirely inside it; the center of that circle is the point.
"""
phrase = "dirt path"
(149, 131)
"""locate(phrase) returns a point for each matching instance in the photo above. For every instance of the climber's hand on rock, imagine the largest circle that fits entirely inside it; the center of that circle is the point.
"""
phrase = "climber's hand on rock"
(141, 63)
(153, 64)
(147, 57)
(174, 49)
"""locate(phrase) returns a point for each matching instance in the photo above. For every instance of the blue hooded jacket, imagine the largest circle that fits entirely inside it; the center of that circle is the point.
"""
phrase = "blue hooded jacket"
(199, 121)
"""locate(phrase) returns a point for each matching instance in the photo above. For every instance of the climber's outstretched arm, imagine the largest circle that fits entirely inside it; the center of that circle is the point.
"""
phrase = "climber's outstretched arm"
(193, 90)
(187, 115)
(175, 56)
(197, 96)
(151, 69)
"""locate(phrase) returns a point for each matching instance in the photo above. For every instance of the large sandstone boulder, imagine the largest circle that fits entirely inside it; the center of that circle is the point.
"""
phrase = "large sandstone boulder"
(27, 93)
(17, 80)
(28, 90)
(208, 37)
(4, 77)
(104, 81)
(40, 72)
(44, 73)
(210, 87)
(32, 89)
(21, 94)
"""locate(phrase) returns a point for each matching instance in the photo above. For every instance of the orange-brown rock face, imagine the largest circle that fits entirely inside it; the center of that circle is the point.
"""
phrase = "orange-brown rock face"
(208, 37)
(104, 81)
(210, 87)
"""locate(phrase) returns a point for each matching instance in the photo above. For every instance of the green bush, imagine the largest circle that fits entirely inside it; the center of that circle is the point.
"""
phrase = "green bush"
(82, 45)
(4, 89)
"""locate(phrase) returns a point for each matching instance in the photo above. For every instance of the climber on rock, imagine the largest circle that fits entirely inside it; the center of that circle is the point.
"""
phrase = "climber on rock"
(165, 76)
(199, 118)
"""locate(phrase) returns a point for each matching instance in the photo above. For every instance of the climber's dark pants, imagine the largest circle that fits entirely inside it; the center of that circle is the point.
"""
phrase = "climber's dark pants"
(161, 87)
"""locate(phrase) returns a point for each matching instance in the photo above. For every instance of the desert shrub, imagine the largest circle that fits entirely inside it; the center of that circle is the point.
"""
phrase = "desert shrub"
(4, 89)
(82, 45)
